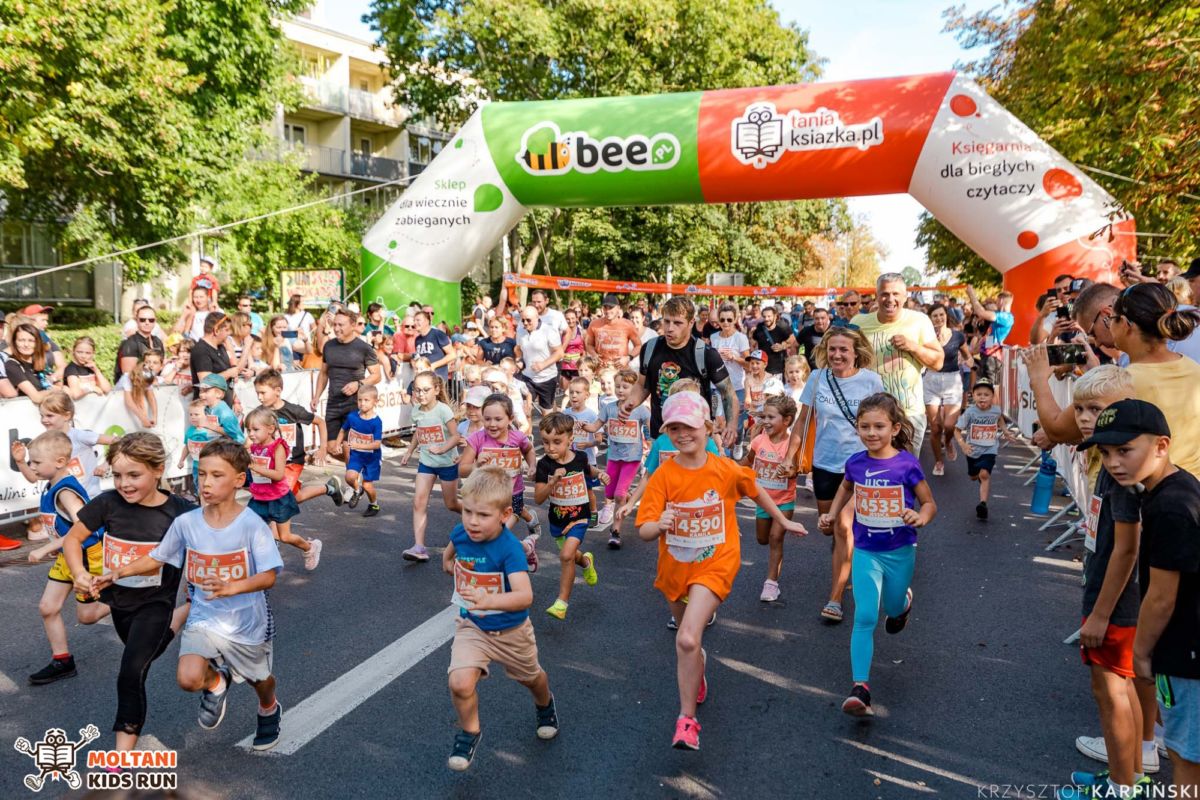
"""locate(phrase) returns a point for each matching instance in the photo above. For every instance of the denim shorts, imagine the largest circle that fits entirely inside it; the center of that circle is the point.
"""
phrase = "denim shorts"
(449, 473)
(1179, 701)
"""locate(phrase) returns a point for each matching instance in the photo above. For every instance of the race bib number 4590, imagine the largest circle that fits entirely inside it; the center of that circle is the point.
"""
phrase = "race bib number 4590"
(233, 566)
(697, 524)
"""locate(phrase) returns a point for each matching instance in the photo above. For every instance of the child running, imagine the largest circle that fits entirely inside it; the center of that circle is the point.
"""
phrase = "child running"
(886, 484)
(581, 408)
(562, 478)
(195, 437)
(132, 519)
(493, 591)
(292, 419)
(795, 375)
(218, 416)
(690, 508)
(362, 434)
(767, 456)
(436, 437)
(625, 437)
(472, 411)
(230, 560)
(270, 496)
(500, 445)
(63, 497)
(984, 426)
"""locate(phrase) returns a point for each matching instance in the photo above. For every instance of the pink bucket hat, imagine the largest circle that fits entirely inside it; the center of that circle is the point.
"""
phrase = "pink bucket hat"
(686, 408)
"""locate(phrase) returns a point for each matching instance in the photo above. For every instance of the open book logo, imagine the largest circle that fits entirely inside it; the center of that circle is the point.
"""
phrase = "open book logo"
(55, 756)
(761, 135)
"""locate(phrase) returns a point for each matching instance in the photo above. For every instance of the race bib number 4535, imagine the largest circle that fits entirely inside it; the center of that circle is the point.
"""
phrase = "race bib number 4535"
(233, 566)
(879, 506)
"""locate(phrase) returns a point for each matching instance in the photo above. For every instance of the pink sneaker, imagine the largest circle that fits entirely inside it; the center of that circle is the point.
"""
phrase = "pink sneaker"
(529, 544)
(312, 556)
(687, 734)
(702, 695)
(770, 591)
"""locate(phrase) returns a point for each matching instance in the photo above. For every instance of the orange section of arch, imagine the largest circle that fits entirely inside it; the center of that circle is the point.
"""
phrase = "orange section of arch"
(1098, 259)
(905, 106)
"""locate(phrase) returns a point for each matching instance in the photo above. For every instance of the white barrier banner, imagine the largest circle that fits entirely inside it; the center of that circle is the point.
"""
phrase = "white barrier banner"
(108, 415)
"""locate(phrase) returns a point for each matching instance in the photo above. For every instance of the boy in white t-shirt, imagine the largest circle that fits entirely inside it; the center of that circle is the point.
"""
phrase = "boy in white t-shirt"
(230, 560)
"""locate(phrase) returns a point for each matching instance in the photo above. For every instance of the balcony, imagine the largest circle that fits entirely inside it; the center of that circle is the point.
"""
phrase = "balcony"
(385, 169)
(323, 95)
(374, 107)
(71, 286)
(415, 168)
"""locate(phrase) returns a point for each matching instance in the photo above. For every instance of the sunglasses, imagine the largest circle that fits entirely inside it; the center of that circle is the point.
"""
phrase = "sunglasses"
(726, 319)
(147, 319)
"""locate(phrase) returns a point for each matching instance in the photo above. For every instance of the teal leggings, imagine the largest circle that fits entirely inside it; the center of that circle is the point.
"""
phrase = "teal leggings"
(886, 575)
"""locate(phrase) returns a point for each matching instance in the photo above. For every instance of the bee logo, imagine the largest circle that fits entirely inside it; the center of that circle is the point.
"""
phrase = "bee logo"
(556, 157)
(545, 150)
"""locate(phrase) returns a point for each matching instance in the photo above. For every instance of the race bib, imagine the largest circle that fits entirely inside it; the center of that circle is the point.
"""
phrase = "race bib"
(506, 458)
(233, 566)
(184, 381)
(262, 461)
(571, 490)
(287, 431)
(611, 344)
(356, 438)
(1093, 519)
(766, 470)
(87, 381)
(581, 436)
(490, 582)
(211, 420)
(431, 434)
(122, 552)
(195, 446)
(698, 523)
(624, 431)
(879, 506)
(755, 399)
(983, 434)
(74, 467)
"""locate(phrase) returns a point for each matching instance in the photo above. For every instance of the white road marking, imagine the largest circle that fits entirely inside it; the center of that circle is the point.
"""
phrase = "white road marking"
(7, 686)
(1077, 566)
(307, 720)
(954, 776)
(916, 787)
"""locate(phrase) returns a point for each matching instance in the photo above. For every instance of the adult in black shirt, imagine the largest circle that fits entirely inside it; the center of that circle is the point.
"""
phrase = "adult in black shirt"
(497, 346)
(773, 339)
(347, 364)
(672, 356)
(141, 342)
(209, 355)
(704, 326)
(811, 335)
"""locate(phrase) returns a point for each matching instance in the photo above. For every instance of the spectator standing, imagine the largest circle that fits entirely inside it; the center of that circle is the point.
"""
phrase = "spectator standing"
(136, 345)
(245, 305)
(195, 313)
(376, 320)
(540, 347)
(774, 339)
(433, 344)
(1001, 322)
(811, 335)
(210, 356)
(347, 364)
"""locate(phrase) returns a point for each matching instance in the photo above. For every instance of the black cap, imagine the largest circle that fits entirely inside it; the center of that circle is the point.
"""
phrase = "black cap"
(1126, 420)
(1193, 270)
(984, 383)
(610, 299)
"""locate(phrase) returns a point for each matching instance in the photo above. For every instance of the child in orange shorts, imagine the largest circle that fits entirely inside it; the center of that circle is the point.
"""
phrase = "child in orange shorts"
(690, 507)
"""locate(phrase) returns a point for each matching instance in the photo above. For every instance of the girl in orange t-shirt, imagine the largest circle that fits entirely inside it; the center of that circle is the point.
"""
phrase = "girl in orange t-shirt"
(767, 455)
(690, 507)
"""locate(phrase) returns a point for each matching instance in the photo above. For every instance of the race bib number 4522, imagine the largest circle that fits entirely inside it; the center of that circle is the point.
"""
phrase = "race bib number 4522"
(232, 566)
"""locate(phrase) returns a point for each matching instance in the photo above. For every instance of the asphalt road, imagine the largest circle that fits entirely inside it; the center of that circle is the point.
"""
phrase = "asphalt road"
(979, 690)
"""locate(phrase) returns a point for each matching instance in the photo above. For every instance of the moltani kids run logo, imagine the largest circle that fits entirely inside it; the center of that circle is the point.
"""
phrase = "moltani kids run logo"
(545, 150)
(762, 135)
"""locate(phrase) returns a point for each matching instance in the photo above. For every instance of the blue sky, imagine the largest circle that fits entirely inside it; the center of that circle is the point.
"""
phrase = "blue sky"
(858, 39)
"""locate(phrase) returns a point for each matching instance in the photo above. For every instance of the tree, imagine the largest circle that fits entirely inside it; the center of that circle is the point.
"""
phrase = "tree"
(117, 118)
(460, 51)
(1111, 86)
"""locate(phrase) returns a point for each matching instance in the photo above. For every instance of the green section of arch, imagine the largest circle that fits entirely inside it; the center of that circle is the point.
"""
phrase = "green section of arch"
(660, 169)
(396, 287)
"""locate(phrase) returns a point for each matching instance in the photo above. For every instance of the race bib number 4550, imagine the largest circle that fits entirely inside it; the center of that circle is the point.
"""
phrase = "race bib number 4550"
(233, 566)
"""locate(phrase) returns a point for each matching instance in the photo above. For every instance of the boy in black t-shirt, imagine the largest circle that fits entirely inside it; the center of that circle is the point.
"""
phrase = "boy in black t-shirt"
(292, 418)
(1135, 443)
(562, 478)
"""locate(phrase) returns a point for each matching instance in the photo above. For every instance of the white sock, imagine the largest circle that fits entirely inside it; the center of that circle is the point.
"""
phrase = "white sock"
(220, 685)
(1149, 747)
(1119, 790)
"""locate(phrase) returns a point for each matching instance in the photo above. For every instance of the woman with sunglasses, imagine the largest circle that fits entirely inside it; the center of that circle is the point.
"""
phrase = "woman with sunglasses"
(734, 348)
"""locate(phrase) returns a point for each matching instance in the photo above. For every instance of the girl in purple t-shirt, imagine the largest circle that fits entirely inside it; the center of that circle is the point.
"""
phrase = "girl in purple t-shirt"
(884, 499)
(498, 444)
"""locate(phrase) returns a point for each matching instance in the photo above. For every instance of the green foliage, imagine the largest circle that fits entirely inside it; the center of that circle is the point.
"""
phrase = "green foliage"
(1110, 86)
(469, 290)
(107, 337)
(121, 116)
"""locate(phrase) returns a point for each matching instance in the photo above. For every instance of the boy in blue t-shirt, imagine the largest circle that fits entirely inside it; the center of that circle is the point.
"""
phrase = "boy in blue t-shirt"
(493, 591)
(362, 432)
(218, 416)
(194, 438)
(979, 431)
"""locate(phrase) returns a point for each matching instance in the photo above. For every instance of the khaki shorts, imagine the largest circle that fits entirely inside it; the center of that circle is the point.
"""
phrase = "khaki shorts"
(515, 649)
(249, 661)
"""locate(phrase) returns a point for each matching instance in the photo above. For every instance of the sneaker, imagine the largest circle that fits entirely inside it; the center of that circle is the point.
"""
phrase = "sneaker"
(606, 514)
(593, 521)
(535, 525)
(1158, 741)
(333, 488)
(1082, 778)
(702, 694)
(981, 510)
(832, 612)
(56, 670)
(770, 591)
(529, 545)
(313, 556)
(712, 620)
(464, 750)
(372, 510)
(9, 544)
(1095, 748)
(589, 572)
(898, 623)
(939, 469)
(687, 734)
(858, 704)
(1150, 759)
(558, 610)
(355, 496)
(212, 705)
(614, 542)
(672, 624)
(39, 535)
(416, 553)
(547, 720)
(266, 734)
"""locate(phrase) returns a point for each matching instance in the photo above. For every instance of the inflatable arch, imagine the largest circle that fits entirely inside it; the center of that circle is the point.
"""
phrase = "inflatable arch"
(1008, 195)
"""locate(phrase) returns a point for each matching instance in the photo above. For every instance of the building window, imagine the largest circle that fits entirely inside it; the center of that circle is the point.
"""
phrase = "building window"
(364, 84)
(365, 147)
(295, 135)
(314, 65)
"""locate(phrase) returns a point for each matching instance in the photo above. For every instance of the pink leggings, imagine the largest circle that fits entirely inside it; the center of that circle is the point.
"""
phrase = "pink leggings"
(620, 477)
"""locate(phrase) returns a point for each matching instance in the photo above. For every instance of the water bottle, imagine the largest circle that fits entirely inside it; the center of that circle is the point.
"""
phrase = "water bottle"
(1043, 487)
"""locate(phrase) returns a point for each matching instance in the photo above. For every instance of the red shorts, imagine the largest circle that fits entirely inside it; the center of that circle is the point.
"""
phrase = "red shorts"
(1116, 653)
(291, 475)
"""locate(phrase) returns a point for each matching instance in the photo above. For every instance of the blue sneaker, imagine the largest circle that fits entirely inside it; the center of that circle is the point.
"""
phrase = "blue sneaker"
(266, 735)
(212, 705)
